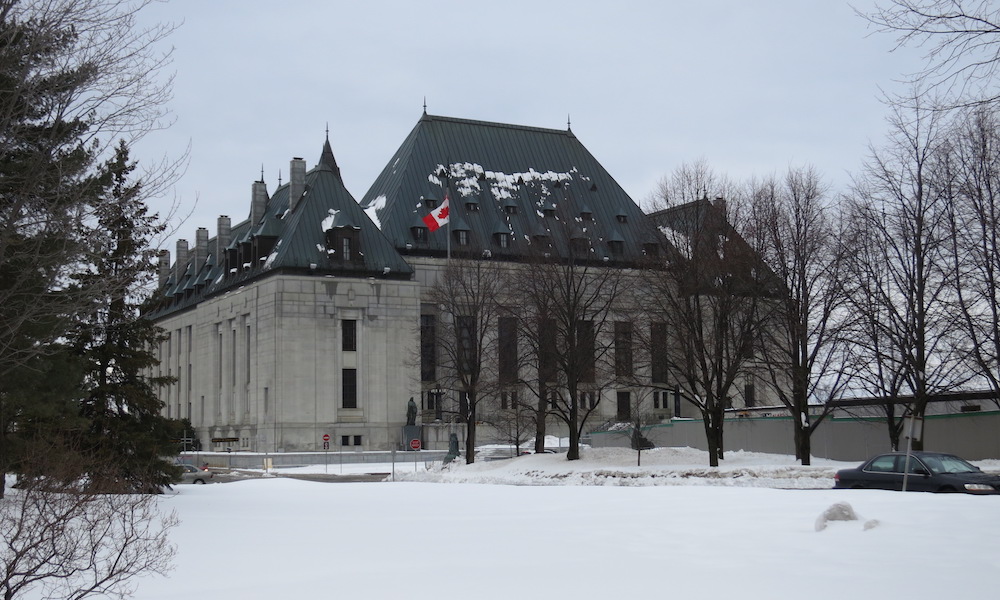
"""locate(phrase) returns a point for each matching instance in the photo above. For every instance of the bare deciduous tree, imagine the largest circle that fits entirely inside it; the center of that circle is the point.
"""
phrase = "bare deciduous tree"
(905, 295)
(804, 347)
(70, 543)
(710, 298)
(960, 39)
(78, 75)
(567, 307)
(467, 293)
(975, 233)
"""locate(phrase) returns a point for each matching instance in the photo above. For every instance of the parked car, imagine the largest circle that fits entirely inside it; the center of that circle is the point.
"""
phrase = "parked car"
(928, 472)
(192, 474)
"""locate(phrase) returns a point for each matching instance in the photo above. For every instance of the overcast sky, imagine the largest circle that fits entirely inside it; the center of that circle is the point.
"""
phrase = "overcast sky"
(751, 87)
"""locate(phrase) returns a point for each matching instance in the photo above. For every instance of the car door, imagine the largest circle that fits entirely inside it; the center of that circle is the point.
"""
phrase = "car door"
(883, 473)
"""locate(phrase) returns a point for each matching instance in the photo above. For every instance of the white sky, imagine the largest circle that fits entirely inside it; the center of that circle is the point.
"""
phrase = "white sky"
(752, 87)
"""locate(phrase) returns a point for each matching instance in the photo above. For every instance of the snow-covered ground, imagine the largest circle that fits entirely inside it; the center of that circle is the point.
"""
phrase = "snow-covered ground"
(599, 527)
(602, 527)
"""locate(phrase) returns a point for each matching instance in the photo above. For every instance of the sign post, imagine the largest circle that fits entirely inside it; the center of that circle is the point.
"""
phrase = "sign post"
(326, 452)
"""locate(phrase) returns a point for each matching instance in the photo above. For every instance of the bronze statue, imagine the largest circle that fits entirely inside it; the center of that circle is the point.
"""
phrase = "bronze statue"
(411, 413)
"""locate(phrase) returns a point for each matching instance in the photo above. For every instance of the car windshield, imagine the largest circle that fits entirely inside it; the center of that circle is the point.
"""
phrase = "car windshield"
(943, 463)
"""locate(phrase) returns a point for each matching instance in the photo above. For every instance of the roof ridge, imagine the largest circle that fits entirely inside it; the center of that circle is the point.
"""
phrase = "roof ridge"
(428, 117)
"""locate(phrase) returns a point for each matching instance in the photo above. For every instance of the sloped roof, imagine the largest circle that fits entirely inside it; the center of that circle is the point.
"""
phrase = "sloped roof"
(539, 184)
(295, 241)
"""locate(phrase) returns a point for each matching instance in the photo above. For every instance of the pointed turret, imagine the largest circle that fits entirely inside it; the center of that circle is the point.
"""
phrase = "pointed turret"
(326, 159)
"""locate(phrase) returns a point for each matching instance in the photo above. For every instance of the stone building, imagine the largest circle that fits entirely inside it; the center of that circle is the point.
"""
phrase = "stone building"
(305, 319)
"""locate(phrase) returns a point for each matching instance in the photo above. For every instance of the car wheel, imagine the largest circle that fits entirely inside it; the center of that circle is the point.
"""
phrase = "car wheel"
(201, 481)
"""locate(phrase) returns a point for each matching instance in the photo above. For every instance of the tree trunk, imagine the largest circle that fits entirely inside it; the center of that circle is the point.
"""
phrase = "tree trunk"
(803, 444)
(540, 424)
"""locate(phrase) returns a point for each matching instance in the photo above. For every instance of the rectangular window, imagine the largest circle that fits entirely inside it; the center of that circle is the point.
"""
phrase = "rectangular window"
(623, 349)
(349, 388)
(508, 400)
(507, 334)
(462, 237)
(345, 248)
(466, 331)
(586, 347)
(749, 395)
(658, 352)
(345, 440)
(624, 406)
(428, 348)
(349, 335)
(357, 440)
(656, 400)
(547, 349)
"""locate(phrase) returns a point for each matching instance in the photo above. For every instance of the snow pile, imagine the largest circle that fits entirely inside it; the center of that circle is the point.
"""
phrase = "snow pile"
(660, 466)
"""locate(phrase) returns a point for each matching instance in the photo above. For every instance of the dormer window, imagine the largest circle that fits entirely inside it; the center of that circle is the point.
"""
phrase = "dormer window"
(419, 234)
(430, 203)
(587, 216)
(343, 244)
(462, 237)
(503, 240)
(510, 209)
(472, 207)
(621, 217)
(616, 246)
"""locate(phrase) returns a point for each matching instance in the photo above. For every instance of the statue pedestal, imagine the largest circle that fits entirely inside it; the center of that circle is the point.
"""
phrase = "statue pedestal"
(410, 433)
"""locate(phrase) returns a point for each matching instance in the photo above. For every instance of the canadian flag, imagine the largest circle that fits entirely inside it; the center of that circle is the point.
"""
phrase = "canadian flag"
(438, 216)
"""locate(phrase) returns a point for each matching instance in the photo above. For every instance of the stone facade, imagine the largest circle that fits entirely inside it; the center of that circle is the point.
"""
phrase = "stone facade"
(266, 363)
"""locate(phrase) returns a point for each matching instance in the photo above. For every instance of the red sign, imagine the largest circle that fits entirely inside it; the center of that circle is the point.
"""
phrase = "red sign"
(326, 437)
(415, 444)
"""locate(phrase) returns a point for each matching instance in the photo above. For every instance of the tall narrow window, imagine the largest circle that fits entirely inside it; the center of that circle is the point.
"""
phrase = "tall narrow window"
(586, 348)
(349, 330)
(749, 395)
(507, 338)
(623, 349)
(428, 348)
(349, 388)
(466, 331)
(546, 349)
(624, 406)
(658, 352)
(462, 237)
(463, 404)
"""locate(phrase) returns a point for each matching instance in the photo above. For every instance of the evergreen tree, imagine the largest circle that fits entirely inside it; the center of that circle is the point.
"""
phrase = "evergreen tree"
(127, 438)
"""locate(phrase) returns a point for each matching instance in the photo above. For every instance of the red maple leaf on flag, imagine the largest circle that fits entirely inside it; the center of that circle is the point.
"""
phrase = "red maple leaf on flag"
(443, 213)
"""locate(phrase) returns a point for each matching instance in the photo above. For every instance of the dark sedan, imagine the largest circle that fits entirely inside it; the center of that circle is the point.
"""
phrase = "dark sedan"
(927, 472)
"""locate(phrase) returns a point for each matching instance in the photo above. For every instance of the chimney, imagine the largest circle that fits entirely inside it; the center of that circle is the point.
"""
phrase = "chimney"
(182, 259)
(258, 202)
(296, 182)
(163, 266)
(720, 203)
(200, 248)
(222, 240)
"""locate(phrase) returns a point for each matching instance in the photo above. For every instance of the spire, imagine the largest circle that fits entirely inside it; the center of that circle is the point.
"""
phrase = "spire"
(326, 159)
(425, 105)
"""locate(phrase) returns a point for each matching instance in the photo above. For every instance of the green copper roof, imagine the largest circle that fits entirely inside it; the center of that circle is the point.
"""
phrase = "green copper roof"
(296, 240)
(539, 184)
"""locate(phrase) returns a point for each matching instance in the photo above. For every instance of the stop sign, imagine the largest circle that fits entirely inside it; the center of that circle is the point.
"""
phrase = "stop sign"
(415, 444)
